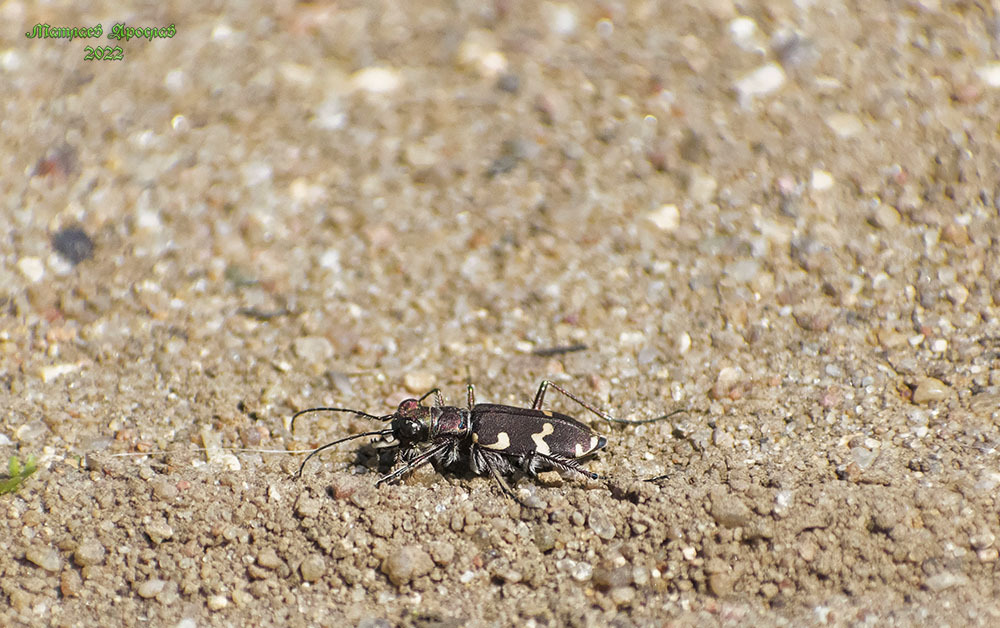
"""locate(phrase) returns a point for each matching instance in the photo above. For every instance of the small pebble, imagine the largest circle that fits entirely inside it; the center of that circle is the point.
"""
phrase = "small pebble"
(743, 31)
(163, 489)
(382, 525)
(32, 268)
(742, 270)
(701, 187)
(728, 511)
(945, 580)
(307, 507)
(683, 343)
(545, 540)
(821, 180)
(886, 217)
(509, 82)
(581, 571)
(640, 575)
(814, 318)
(377, 80)
(159, 531)
(982, 540)
(760, 82)
(74, 244)
(832, 396)
(151, 588)
(990, 73)
(512, 576)
(45, 557)
(418, 382)
(54, 371)
(70, 583)
(313, 349)
(623, 596)
(89, 552)
(442, 552)
(20, 599)
(720, 584)
(407, 563)
(929, 389)
(782, 502)
(722, 439)
(958, 295)
(863, 457)
(728, 380)
(666, 218)
(562, 19)
(481, 51)
(844, 125)
(242, 597)
(601, 524)
(955, 234)
(312, 568)
(607, 576)
(217, 602)
(268, 559)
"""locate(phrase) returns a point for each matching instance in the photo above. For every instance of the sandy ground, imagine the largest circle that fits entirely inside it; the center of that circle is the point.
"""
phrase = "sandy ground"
(780, 216)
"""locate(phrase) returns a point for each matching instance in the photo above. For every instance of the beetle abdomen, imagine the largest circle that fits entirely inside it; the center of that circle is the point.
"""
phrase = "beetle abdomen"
(519, 432)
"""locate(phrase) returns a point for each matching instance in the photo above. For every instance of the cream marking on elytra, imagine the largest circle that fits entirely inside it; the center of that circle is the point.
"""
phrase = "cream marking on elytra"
(540, 445)
(578, 450)
(547, 413)
(503, 442)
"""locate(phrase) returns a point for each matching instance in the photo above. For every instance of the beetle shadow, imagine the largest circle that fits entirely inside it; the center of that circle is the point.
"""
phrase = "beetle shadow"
(372, 459)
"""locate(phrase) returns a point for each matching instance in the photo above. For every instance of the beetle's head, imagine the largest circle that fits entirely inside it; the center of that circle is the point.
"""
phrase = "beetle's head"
(410, 422)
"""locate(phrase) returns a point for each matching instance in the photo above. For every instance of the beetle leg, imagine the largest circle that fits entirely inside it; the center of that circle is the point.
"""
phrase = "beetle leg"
(565, 465)
(438, 397)
(507, 490)
(540, 397)
(419, 461)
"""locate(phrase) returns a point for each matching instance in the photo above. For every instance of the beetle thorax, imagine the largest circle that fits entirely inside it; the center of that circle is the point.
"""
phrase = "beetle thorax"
(450, 421)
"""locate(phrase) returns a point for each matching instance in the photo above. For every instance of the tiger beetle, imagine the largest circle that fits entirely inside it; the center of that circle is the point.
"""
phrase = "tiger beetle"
(484, 438)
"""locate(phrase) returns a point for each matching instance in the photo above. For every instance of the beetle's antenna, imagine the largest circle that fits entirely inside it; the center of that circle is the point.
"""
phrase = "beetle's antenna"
(326, 409)
(540, 397)
(337, 442)
(611, 419)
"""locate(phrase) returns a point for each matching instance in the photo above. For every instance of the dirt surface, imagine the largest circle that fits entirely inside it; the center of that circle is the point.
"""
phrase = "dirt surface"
(781, 217)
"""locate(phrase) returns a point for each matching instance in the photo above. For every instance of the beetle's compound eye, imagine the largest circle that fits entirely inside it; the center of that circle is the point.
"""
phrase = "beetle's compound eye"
(410, 429)
(408, 407)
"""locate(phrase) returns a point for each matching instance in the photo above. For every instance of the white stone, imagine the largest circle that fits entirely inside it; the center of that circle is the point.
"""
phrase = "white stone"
(562, 18)
(32, 268)
(666, 218)
(990, 73)
(54, 371)
(844, 124)
(377, 80)
(821, 180)
(760, 82)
